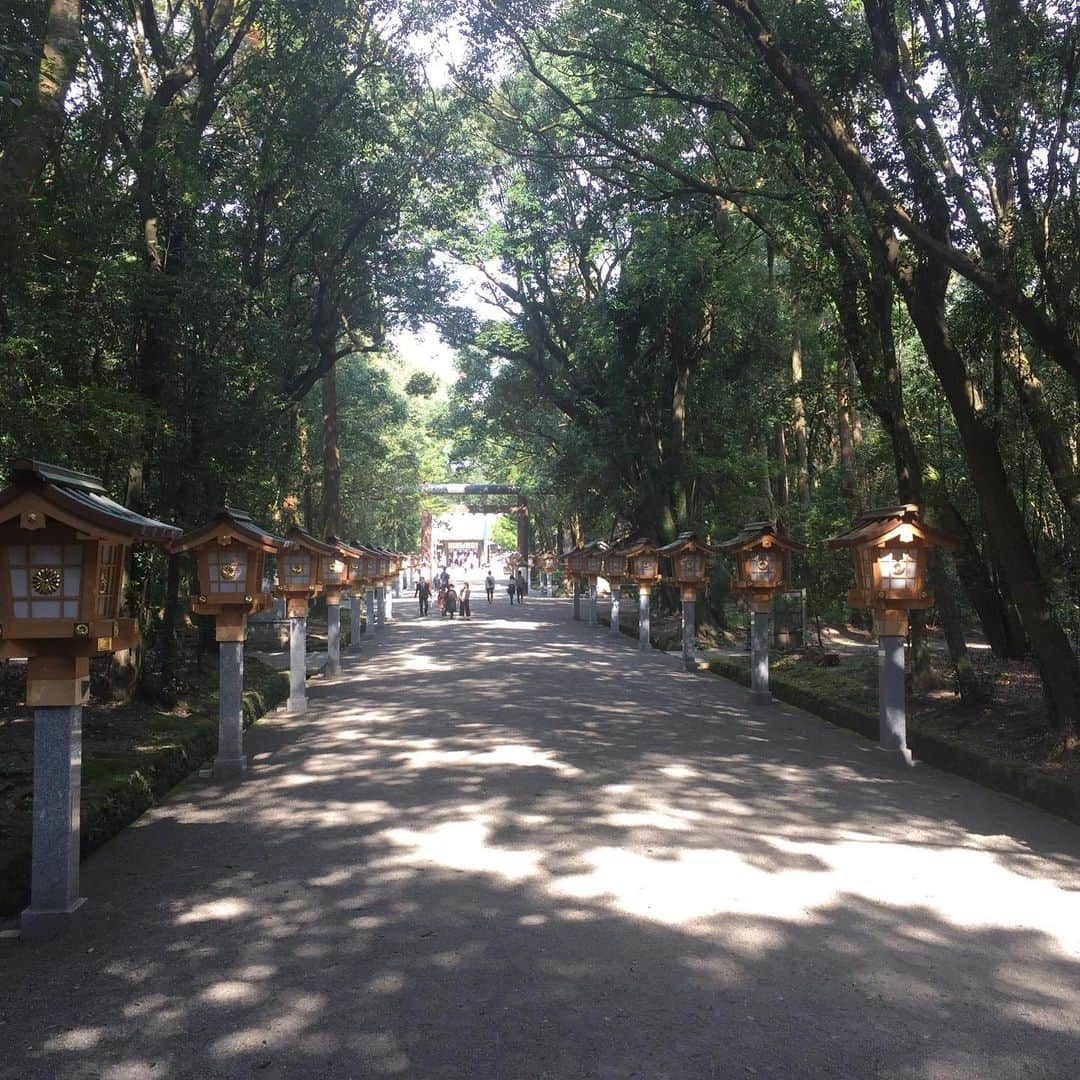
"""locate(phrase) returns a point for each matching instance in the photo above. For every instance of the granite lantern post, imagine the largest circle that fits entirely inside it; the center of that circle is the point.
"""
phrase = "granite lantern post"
(63, 544)
(592, 567)
(688, 555)
(615, 571)
(546, 562)
(643, 568)
(370, 577)
(337, 573)
(890, 547)
(575, 567)
(356, 590)
(230, 553)
(761, 555)
(300, 569)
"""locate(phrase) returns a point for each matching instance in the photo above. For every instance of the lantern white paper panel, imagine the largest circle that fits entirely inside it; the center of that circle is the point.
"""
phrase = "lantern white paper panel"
(228, 571)
(897, 572)
(45, 580)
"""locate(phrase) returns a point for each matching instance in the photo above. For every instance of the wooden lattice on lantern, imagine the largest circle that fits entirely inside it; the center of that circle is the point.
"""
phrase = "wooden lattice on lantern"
(642, 561)
(593, 558)
(63, 544)
(615, 563)
(339, 572)
(575, 562)
(761, 555)
(300, 570)
(890, 547)
(688, 557)
(231, 553)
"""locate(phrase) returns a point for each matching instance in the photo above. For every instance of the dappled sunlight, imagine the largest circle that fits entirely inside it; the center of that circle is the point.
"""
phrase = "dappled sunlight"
(571, 860)
(230, 908)
(463, 845)
(517, 755)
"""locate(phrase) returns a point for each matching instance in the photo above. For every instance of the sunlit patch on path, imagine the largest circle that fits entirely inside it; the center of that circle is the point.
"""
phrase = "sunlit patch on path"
(516, 848)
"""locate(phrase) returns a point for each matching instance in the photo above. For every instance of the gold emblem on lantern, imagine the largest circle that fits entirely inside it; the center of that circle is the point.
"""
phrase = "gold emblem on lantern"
(762, 563)
(297, 569)
(229, 570)
(45, 581)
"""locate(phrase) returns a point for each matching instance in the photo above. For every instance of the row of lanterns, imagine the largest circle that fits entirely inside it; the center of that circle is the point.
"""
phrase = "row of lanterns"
(63, 546)
(890, 548)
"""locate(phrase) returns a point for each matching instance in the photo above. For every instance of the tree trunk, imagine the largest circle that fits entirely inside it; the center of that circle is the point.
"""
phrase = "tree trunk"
(847, 441)
(331, 454)
(41, 123)
(783, 496)
(1056, 660)
(802, 457)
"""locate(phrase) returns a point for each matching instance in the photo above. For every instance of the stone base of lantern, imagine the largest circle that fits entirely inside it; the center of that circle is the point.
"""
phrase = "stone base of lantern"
(688, 605)
(230, 763)
(644, 629)
(759, 653)
(54, 881)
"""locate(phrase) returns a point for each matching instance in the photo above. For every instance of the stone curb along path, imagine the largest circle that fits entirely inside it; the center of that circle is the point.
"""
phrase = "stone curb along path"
(513, 847)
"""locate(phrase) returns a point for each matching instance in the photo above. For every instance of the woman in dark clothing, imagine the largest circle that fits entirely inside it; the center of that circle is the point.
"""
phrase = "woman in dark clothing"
(512, 588)
(451, 601)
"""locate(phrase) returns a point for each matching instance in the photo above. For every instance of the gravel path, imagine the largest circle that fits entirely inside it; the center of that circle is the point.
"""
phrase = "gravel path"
(515, 848)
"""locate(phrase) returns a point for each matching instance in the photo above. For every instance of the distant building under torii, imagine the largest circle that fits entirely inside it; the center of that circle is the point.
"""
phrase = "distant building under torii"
(471, 526)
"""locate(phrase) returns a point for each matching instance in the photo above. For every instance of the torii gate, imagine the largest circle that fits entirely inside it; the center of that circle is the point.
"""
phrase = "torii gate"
(519, 508)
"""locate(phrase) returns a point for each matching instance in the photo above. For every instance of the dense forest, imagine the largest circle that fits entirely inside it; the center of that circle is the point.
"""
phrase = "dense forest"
(700, 262)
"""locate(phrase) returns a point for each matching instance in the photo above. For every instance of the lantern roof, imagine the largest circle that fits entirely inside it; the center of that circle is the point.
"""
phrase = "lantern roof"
(640, 546)
(593, 546)
(295, 537)
(686, 541)
(752, 534)
(79, 501)
(347, 551)
(230, 523)
(879, 526)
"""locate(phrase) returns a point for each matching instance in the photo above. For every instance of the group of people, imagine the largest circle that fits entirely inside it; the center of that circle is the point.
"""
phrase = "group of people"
(449, 600)
(452, 601)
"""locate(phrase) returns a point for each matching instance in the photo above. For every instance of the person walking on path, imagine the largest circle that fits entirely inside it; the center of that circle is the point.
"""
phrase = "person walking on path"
(511, 588)
(466, 607)
(451, 601)
(423, 594)
(489, 587)
(520, 582)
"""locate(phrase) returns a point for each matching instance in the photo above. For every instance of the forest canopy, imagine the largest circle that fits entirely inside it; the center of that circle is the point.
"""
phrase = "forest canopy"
(737, 260)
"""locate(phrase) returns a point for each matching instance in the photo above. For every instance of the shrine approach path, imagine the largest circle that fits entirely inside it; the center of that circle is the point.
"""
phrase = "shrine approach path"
(518, 848)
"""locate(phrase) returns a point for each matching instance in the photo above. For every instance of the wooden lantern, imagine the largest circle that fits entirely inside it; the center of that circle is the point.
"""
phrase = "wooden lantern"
(760, 552)
(615, 564)
(340, 571)
(575, 562)
(593, 559)
(890, 547)
(63, 544)
(547, 562)
(301, 570)
(231, 553)
(688, 555)
(642, 561)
